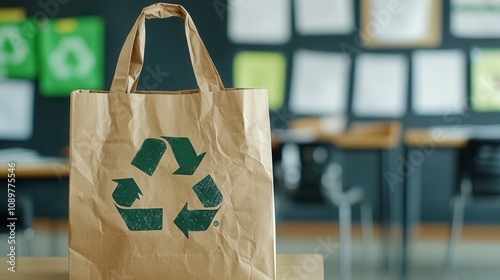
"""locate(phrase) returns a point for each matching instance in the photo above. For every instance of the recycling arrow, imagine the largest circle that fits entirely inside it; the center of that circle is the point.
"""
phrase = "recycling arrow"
(194, 220)
(142, 219)
(149, 155)
(125, 194)
(200, 220)
(207, 192)
(184, 154)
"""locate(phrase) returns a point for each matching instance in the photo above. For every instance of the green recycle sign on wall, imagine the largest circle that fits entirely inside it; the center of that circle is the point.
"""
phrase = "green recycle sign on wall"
(147, 159)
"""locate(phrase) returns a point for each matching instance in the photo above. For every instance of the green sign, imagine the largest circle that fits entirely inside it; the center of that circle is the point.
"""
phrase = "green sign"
(485, 79)
(265, 70)
(147, 160)
(71, 55)
(17, 49)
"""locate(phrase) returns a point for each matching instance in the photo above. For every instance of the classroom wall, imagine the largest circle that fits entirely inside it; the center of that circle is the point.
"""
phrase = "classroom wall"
(166, 50)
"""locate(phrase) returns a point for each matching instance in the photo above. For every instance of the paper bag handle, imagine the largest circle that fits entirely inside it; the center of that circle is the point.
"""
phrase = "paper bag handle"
(131, 57)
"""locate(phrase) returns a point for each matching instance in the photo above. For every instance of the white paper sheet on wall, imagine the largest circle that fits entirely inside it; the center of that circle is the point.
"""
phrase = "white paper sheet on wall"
(475, 18)
(322, 17)
(439, 82)
(259, 21)
(380, 85)
(319, 83)
(16, 109)
(404, 23)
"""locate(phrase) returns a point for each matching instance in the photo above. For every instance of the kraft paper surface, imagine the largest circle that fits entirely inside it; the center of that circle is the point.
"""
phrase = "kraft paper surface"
(170, 185)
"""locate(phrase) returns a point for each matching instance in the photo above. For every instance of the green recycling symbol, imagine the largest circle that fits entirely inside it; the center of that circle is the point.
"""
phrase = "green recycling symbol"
(72, 58)
(13, 47)
(147, 159)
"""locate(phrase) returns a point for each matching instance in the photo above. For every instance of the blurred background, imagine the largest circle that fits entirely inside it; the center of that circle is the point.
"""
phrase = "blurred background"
(385, 118)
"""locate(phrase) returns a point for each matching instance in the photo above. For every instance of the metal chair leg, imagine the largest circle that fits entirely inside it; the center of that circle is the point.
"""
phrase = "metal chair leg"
(345, 240)
(456, 229)
(367, 239)
(28, 235)
(26, 205)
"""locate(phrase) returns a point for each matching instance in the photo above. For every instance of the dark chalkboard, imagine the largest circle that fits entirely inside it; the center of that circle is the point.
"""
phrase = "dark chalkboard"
(166, 50)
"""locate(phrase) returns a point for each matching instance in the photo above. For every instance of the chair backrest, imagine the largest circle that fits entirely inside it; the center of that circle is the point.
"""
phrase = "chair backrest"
(303, 166)
(480, 162)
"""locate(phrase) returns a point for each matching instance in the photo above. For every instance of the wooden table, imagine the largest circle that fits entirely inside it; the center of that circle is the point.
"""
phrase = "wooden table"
(417, 137)
(380, 136)
(46, 169)
(359, 135)
(42, 186)
(287, 267)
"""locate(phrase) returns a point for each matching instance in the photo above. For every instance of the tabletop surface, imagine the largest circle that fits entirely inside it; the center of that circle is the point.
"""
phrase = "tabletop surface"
(287, 267)
(359, 135)
(47, 169)
(449, 136)
(416, 137)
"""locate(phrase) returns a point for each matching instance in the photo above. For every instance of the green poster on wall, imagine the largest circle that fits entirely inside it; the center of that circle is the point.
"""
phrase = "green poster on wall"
(253, 69)
(485, 79)
(71, 55)
(17, 49)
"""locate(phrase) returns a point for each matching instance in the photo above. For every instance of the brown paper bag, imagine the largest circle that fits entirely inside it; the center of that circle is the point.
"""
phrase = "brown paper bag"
(170, 185)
